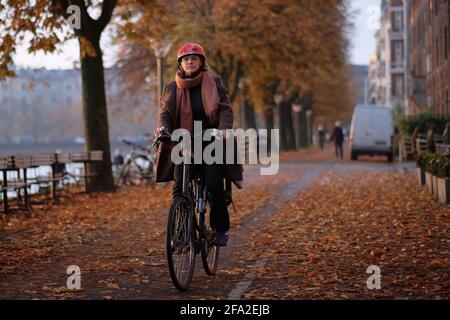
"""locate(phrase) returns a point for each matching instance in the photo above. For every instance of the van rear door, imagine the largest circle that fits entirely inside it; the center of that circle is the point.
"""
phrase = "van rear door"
(363, 127)
(382, 124)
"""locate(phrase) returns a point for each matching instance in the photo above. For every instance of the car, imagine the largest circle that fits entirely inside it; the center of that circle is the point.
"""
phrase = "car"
(371, 131)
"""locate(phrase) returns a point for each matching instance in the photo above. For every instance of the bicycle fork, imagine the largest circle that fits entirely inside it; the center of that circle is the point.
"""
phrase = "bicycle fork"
(201, 209)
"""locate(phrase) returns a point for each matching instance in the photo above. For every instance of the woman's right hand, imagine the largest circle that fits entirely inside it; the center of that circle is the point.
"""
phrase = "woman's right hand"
(161, 132)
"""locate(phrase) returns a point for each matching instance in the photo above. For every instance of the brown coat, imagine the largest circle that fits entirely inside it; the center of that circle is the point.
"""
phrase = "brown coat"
(169, 117)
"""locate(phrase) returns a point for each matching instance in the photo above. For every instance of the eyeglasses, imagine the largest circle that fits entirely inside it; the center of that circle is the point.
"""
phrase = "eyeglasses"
(192, 57)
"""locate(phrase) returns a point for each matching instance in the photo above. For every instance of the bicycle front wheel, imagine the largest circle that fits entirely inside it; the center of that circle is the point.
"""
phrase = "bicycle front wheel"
(181, 243)
(209, 249)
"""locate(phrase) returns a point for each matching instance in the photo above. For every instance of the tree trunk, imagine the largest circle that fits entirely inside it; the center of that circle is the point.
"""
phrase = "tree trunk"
(303, 130)
(96, 131)
(289, 128)
(282, 126)
(250, 116)
(297, 127)
(269, 125)
(247, 115)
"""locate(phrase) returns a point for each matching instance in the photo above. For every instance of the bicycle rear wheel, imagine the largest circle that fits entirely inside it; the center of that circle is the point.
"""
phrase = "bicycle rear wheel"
(145, 167)
(181, 243)
(129, 175)
(209, 250)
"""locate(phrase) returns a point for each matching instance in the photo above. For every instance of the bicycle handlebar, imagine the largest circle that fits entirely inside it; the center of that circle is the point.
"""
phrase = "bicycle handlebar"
(165, 135)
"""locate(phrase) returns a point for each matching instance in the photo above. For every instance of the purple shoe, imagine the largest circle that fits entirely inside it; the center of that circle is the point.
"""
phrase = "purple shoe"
(221, 239)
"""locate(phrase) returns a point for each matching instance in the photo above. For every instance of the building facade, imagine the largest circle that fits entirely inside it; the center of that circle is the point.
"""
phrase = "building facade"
(429, 68)
(418, 57)
(359, 77)
(42, 106)
(437, 42)
(387, 79)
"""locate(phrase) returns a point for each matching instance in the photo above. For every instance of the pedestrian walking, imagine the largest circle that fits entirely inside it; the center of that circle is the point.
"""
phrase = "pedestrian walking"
(321, 132)
(338, 137)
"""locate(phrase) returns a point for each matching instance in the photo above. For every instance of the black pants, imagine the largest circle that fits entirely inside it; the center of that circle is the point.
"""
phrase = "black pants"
(339, 150)
(214, 175)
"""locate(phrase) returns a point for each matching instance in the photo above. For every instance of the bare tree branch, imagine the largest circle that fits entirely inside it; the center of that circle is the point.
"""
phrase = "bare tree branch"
(105, 17)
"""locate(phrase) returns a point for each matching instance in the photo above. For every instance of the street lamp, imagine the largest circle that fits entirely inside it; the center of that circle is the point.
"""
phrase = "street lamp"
(161, 48)
(278, 99)
(297, 108)
(308, 125)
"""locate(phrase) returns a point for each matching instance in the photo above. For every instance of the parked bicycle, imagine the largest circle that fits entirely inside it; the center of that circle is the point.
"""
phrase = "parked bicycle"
(139, 166)
(188, 227)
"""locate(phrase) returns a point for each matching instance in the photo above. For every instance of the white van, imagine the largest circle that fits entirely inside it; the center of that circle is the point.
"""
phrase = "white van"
(371, 132)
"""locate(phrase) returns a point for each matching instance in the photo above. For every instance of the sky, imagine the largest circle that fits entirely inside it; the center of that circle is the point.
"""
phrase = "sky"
(362, 42)
(366, 22)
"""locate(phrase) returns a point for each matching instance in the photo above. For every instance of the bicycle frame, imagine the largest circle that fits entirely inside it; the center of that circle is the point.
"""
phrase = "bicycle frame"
(200, 239)
(198, 194)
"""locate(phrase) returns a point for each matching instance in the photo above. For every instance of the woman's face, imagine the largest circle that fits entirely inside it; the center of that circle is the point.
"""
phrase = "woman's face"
(191, 64)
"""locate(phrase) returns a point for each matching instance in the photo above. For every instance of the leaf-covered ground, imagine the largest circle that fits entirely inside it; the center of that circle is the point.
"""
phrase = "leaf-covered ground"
(321, 244)
(117, 239)
(315, 244)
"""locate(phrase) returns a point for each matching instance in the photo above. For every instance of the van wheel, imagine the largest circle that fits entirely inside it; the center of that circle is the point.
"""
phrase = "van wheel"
(354, 155)
(389, 157)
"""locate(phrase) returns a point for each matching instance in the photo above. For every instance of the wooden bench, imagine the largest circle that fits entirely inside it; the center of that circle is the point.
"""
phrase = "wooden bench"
(19, 183)
(6, 163)
(421, 143)
(438, 139)
(406, 151)
(19, 164)
(22, 162)
(85, 158)
(57, 174)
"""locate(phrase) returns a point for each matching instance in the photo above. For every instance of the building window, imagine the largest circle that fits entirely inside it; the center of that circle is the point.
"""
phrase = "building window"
(429, 60)
(382, 70)
(446, 43)
(399, 85)
(398, 52)
(446, 103)
(437, 51)
(397, 21)
(430, 10)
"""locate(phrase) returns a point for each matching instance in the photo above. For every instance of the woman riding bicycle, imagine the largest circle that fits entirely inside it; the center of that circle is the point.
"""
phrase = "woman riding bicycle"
(196, 95)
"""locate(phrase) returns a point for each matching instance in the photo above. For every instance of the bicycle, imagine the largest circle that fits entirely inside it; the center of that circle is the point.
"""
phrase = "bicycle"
(139, 166)
(188, 227)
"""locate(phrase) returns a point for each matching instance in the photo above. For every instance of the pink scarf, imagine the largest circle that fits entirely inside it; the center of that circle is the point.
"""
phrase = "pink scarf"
(210, 98)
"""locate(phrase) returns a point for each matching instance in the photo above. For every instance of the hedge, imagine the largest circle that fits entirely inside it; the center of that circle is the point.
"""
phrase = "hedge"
(423, 121)
(436, 163)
